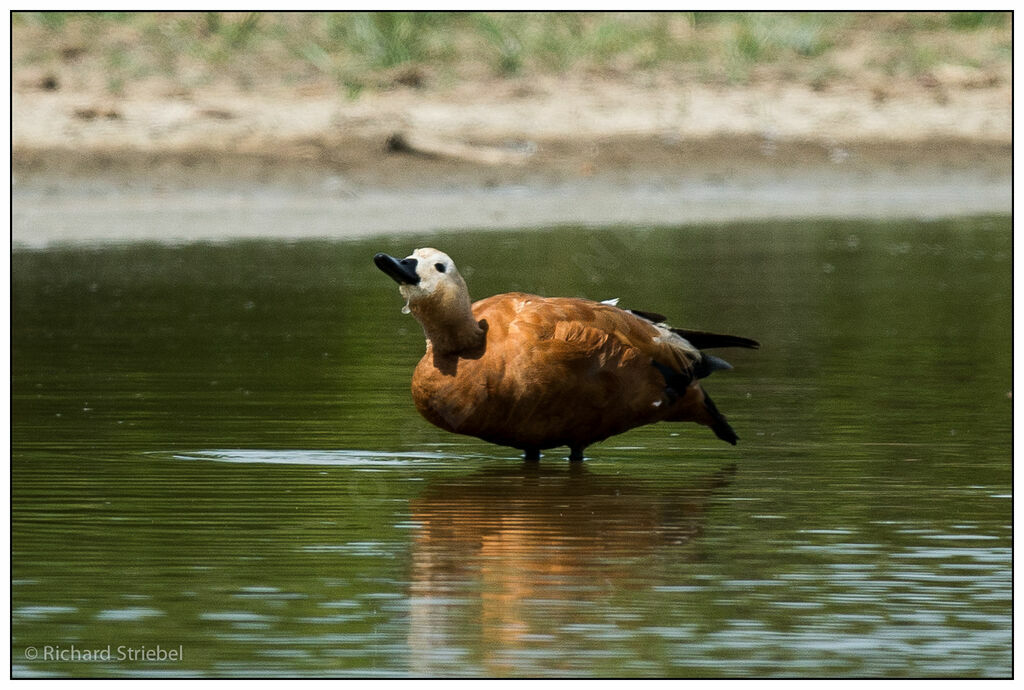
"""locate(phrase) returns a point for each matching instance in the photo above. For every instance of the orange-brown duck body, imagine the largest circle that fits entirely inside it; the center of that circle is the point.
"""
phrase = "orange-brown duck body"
(536, 373)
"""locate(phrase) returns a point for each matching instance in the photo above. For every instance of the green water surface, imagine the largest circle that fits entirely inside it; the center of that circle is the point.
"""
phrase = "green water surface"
(214, 452)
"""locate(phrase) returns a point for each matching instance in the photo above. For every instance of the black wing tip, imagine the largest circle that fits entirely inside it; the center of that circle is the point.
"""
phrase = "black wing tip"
(699, 339)
(703, 340)
(652, 316)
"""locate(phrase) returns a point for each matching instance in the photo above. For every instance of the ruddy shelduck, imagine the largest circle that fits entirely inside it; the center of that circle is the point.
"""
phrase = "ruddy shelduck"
(536, 373)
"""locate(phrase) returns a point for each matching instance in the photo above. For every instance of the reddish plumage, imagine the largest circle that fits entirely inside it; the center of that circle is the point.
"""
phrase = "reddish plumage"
(535, 373)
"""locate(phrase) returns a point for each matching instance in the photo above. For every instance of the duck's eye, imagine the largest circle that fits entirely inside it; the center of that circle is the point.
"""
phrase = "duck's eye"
(439, 267)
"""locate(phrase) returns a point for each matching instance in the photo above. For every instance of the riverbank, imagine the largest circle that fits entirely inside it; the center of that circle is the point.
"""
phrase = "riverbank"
(146, 197)
(423, 152)
(430, 163)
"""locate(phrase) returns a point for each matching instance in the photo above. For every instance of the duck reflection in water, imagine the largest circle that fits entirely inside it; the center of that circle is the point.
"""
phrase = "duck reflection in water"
(504, 559)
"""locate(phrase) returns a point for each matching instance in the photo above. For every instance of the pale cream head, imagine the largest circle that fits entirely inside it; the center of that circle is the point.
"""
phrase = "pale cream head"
(439, 278)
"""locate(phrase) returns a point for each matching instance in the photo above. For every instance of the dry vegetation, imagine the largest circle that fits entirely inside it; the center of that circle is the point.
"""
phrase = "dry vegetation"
(126, 53)
(332, 87)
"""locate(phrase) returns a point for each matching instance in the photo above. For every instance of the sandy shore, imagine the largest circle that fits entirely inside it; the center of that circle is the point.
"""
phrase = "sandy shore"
(221, 165)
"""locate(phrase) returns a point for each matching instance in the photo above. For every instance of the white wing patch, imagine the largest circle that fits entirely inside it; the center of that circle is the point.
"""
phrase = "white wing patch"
(677, 343)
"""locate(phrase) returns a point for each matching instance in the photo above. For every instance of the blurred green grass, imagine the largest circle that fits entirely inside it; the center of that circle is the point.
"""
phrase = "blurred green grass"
(355, 51)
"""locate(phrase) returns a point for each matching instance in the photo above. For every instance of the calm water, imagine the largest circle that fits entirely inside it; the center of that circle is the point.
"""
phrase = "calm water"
(215, 455)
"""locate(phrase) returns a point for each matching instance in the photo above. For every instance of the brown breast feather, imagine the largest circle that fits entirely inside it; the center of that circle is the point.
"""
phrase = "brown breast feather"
(554, 370)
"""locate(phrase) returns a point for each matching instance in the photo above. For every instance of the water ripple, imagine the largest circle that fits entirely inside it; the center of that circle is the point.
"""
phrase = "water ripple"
(336, 458)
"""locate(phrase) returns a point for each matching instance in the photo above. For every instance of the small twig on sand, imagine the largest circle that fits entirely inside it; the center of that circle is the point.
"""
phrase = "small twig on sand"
(433, 147)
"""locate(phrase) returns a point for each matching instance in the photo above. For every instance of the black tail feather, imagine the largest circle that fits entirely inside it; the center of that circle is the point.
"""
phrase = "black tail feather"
(708, 364)
(721, 427)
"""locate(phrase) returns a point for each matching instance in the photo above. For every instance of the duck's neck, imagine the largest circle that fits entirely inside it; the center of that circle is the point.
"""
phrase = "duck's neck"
(449, 324)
